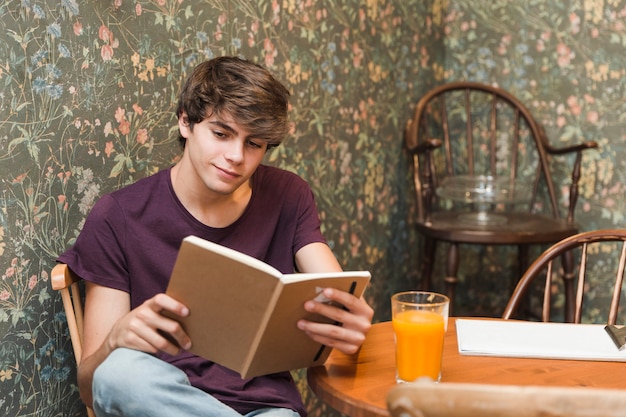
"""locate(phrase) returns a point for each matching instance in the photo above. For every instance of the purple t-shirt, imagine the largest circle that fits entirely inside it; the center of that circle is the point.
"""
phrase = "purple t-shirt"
(131, 238)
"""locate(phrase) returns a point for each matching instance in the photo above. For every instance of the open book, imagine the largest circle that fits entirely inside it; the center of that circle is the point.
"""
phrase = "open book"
(243, 312)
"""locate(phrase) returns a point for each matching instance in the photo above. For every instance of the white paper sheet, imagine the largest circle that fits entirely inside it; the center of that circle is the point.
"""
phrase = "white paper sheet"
(536, 340)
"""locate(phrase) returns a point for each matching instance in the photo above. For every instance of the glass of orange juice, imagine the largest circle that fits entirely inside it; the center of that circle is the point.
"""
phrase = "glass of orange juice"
(420, 320)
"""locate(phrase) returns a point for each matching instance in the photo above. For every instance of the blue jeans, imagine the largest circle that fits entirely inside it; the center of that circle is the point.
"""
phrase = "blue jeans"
(134, 383)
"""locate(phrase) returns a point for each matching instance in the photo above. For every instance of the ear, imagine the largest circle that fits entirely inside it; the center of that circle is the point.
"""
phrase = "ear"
(183, 125)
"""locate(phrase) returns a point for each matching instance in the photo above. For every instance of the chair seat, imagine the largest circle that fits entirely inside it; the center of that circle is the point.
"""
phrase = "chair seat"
(520, 228)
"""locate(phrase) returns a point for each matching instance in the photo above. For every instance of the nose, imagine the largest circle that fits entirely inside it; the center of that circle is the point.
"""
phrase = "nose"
(234, 151)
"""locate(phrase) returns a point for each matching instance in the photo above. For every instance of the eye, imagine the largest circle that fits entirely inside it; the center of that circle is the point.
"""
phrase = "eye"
(255, 144)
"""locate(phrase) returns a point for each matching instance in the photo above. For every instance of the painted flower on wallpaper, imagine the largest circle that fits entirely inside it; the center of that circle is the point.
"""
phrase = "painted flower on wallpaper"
(252, 33)
(574, 21)
(71, 6)
(270, 52)
(110, 43)
(5, 374)
(564, 55)
(87, 188)
(78, 28)
(142, 136)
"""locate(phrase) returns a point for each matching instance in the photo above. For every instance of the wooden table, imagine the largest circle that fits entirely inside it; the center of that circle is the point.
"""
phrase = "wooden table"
(358, 385)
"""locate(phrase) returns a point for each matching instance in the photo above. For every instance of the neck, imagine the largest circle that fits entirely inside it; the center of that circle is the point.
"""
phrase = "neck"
(208, 207)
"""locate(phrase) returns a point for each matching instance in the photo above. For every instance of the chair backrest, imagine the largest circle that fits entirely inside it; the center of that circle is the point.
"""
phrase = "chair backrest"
(605, 241)
(468, 128)
(427, 399)
(67, 283)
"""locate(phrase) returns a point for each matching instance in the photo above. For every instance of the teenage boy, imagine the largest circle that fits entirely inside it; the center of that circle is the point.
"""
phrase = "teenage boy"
(230, 112)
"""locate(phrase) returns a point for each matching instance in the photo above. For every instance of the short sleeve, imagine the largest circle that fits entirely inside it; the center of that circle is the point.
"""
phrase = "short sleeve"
(98, 253)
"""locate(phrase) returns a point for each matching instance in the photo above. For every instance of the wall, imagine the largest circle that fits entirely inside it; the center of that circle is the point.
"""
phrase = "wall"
(566, 61)
(88, 90)
(88, 95)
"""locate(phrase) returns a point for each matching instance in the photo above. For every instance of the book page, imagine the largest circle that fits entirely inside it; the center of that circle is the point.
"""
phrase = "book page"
(536, 340)
(234, 255)
(305, 276)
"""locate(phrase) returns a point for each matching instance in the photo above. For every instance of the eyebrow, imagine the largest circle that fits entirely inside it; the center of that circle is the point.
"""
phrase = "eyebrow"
(223, 125)
(229, 128)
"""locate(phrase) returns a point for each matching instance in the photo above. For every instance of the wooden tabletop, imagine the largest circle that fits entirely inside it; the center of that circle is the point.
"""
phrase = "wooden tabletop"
(358, 385)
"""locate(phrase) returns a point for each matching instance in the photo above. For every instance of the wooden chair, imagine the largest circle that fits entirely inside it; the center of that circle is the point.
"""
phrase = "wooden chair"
(67, 283)
(544, 266)
(427, 399)
(467, 128)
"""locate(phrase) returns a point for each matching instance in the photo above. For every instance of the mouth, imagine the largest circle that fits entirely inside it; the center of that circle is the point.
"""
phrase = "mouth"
(226, 173)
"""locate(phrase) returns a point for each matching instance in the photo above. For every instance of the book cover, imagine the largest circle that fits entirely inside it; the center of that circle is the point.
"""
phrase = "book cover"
(243, 312)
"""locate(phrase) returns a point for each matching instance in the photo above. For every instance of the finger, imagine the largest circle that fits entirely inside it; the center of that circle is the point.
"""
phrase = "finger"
(356, 305)
(346, 340)
(336, 313)
(146, 329)
(168, 328)
(359, 318)
(174, 333)
(164, 302)
(159, 335)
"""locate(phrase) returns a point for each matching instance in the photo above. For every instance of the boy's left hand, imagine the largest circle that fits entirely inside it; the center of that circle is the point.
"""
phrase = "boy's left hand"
(355, 319)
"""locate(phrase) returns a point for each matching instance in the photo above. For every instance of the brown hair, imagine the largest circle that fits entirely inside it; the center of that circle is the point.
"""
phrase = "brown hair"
(245, 90)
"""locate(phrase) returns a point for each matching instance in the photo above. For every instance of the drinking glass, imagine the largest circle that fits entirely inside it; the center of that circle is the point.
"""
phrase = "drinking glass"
(420, 320)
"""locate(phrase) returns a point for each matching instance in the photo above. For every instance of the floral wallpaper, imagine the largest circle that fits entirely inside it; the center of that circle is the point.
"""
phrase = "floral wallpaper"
(86, 106)
(566, 61)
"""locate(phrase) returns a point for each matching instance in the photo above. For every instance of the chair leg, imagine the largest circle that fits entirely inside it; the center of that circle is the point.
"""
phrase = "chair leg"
(430, 246)
(524, 310)
(522, 262)
(452, 269)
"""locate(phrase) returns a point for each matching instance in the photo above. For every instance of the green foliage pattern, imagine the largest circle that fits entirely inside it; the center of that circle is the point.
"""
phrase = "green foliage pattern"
(87, 100)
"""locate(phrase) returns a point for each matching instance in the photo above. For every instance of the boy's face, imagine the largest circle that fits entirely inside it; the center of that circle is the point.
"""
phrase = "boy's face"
(222, 154)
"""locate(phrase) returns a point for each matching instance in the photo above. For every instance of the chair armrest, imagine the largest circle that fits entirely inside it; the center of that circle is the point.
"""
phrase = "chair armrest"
(414, 145)
(464, 399)
(579, 147)
(572, 148)
(578, 150)
(62, 277)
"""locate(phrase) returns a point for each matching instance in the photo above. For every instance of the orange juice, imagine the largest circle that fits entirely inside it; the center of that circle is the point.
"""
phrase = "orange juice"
(419, 344)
